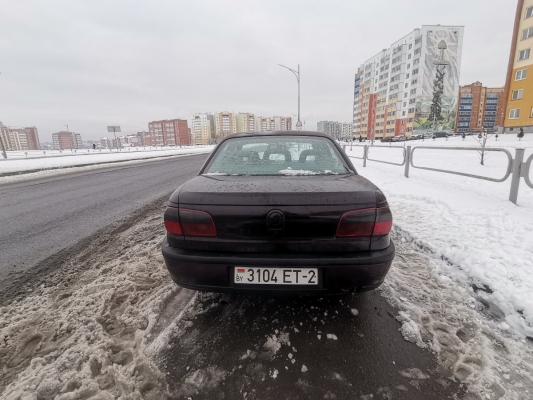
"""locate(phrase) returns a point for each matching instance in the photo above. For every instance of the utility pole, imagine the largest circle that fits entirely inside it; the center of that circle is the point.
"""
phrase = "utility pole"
(297, 75)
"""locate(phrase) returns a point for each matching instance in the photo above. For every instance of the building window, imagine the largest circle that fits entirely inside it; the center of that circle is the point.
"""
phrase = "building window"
(529, 12)
(531, 115)
(518, 94)
(522, 74)
(514, 114)
(527, 33)
(524, 55)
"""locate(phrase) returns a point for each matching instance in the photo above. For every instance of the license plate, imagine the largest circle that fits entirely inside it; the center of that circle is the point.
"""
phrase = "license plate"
(276, 276)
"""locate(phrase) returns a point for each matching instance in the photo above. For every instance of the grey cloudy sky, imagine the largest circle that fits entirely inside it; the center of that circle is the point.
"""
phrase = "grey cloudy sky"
(95, 63)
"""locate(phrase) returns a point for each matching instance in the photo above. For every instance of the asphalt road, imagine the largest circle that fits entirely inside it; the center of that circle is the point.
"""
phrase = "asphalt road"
(301, 348)
(41, 218)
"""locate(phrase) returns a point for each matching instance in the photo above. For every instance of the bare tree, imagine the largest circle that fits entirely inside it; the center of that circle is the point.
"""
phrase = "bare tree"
(482, 140)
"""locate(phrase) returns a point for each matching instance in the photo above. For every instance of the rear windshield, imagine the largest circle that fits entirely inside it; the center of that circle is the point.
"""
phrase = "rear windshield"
(277, 155)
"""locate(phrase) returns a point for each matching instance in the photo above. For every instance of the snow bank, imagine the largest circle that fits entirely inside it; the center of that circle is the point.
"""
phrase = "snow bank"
(93, 157)
(468, 222)
(93, 332)
(471, 340)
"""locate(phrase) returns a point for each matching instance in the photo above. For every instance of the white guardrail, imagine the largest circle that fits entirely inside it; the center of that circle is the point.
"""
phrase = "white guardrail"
(516, 167)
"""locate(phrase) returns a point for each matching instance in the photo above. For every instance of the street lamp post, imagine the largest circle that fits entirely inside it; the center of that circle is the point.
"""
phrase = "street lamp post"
(297, 74)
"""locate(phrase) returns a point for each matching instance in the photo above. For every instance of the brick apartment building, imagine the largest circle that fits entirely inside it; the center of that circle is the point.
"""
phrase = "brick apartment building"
(169, 132)
(478, 108)
(66, 140)
(20, 139)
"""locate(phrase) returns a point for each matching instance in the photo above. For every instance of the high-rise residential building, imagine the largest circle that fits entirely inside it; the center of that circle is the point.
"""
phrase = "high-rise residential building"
(169, 132)
(477, 108)
(332, 128)
(518, 93)
(66, 140)
(20, 139)
(347, 130)
(141, 136)
(263, 124)
(245, 122)
(412, 85)
(202, 128)
(283, 123)
(225, 124)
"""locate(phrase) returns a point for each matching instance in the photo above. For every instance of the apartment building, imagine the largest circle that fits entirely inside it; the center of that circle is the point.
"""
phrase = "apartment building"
(283, 123)
(245, 122)
(21, 139)
(332, 128)
(264, 124)
(202, 128)
(412, 85)
(169, 132)
(478, 107)
(105, 143)
(225, 124)
(65, 140)
(518, 93)
(141, 137)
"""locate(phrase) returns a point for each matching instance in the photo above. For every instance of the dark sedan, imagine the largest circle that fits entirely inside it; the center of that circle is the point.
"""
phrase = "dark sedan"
(278, 212)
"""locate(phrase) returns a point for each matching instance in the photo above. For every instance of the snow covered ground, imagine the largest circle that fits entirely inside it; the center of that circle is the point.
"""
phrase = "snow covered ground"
(17, 163)
(487, 240)
(462, 280)
(87, 331)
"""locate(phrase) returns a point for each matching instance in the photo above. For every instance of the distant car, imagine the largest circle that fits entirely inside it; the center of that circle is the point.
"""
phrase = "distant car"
(278, 213)
(440, 134)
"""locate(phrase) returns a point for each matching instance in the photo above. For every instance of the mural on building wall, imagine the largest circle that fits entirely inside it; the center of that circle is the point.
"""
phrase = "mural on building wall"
(437, 101)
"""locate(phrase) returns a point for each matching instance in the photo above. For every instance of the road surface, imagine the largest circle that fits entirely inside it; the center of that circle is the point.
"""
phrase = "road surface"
(41, 218)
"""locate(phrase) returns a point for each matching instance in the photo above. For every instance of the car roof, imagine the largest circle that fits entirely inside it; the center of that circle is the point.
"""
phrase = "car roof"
(279, 133)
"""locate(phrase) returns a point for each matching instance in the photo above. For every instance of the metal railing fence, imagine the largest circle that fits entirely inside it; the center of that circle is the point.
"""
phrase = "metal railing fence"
(516, 168)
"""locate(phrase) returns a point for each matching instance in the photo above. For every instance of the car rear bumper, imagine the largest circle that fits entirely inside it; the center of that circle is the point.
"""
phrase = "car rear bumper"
(338, 273)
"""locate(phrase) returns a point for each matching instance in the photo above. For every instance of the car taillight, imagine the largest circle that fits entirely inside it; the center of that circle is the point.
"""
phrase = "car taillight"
(365, 223)
(172, 221)
(383, 222)
(182, 221)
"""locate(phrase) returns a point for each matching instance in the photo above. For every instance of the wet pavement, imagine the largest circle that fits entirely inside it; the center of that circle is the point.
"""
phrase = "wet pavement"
(339, 347)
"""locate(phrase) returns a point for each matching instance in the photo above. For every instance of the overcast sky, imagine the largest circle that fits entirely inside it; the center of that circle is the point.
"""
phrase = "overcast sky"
(95, 63)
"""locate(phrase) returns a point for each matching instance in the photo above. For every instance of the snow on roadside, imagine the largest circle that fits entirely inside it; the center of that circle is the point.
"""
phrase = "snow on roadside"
(470, 223)
(45, 163)
(448, 319)
(90, 333)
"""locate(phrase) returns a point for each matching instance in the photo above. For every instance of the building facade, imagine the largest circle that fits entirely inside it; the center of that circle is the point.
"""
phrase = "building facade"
(518, 93)
(264, 124)
(202, 128)
(333, 128)
(20, 139)
(225, 124)
(169, 132)
(141, 138)
(412, 85)
(66, 140)
(477, 108)
(245, 122)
